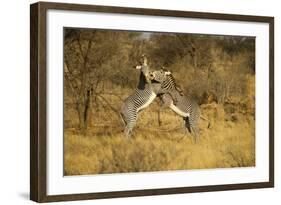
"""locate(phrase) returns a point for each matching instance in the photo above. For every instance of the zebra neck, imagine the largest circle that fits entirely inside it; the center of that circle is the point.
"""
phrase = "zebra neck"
(148, 102)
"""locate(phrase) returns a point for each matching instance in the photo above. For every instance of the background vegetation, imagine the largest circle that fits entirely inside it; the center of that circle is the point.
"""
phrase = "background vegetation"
(217, 71)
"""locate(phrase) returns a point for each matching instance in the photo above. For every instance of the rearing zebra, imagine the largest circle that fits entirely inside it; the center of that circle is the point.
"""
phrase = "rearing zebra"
(173, 97)
(143, 96)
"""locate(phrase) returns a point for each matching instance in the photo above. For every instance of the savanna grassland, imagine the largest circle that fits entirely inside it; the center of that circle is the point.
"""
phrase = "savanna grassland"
(217, 71)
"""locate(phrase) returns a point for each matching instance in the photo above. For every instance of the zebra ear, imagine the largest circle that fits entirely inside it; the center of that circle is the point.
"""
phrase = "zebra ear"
(168, 73)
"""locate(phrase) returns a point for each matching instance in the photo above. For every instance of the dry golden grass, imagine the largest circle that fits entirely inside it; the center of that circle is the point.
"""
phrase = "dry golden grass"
(230, 142)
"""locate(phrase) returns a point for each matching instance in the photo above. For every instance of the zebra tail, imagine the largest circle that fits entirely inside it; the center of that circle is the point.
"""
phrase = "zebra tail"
(204, 118)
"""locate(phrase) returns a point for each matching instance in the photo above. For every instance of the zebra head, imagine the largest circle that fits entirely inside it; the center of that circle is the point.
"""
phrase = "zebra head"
(142, 62)
(165, 78)
(144, 72)
(160, 75)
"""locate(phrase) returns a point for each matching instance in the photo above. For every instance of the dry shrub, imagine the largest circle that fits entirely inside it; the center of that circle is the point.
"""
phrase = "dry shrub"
(223, 145)
(217, 71)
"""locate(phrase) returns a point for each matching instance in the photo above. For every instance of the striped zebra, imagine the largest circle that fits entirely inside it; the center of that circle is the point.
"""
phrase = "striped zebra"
(172, 96)
(143, 96)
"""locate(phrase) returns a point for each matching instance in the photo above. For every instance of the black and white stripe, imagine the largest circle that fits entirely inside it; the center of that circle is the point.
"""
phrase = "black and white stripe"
(140, 99)
(173, 97)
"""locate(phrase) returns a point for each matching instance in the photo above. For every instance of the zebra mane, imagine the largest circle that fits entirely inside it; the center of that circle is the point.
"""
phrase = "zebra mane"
(172, 78)
(177, 87)
(170, 75)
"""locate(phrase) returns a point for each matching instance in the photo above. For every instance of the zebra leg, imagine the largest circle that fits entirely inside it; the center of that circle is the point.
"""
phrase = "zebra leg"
(128, 116)
(123, 119)
(130, 124)
(184, 127)
(187, 126)
(195, 132)
(128, 129)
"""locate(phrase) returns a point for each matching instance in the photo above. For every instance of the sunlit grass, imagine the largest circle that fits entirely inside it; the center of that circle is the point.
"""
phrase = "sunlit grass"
(226, 144)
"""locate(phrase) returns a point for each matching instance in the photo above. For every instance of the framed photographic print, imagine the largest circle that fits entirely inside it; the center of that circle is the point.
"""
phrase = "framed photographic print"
(134, 102)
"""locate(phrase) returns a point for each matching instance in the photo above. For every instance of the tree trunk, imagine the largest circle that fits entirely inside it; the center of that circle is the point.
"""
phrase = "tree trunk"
(87, 109)
(84, 92)
(84, 111)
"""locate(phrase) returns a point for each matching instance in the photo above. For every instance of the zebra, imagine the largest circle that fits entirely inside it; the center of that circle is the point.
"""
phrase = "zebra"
(172, 96)
(143, 96)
